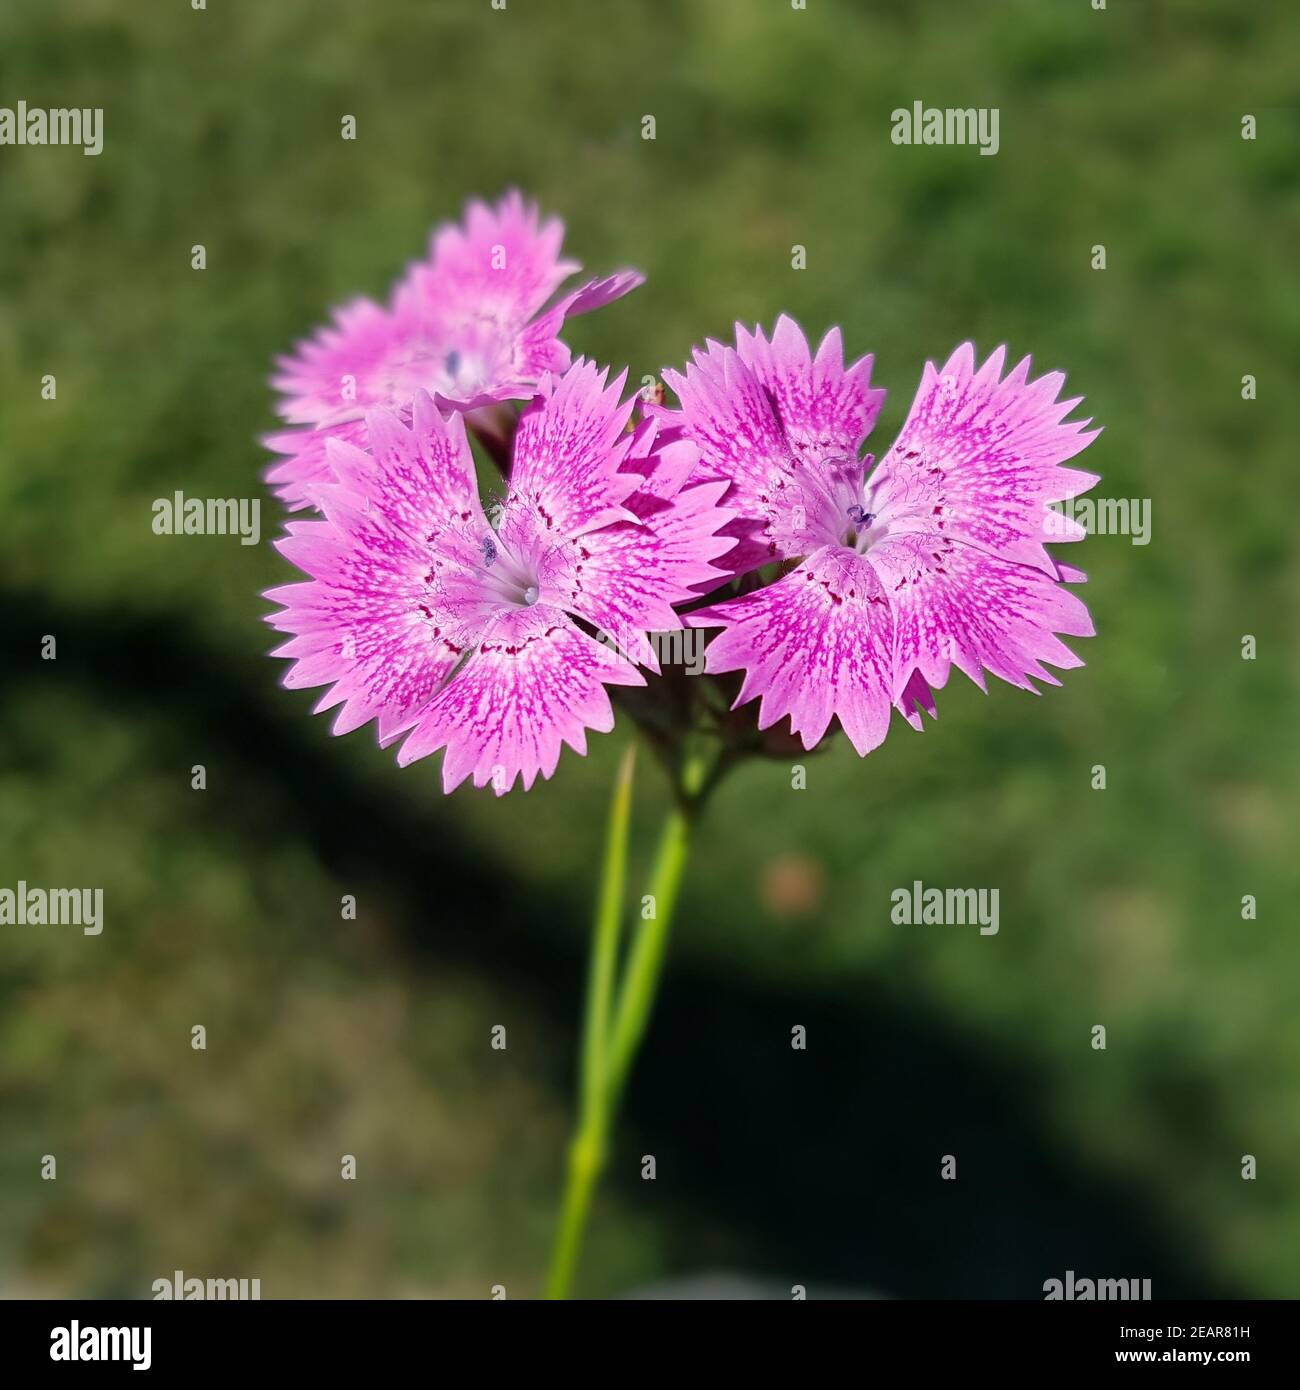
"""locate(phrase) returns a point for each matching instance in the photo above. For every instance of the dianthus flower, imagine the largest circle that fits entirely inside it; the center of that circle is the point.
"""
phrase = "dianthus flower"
(935, 558)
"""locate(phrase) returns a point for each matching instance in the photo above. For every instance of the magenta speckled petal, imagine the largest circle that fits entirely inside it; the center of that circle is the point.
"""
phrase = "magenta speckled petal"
(501, 263)
(368, 625)
(732, 421)
(568, 448)
(978, 460)
(595, 294)
(330, 376)
(467, 325)
(785, 428)
(955, 604)
(629, 575)
(663, 460)
(421, 474)
(917, 697)
(815, 645)
(295, 477)
(825, 410)
(535, 683)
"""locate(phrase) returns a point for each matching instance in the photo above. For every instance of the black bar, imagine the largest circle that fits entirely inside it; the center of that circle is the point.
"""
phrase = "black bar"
(338, 1338)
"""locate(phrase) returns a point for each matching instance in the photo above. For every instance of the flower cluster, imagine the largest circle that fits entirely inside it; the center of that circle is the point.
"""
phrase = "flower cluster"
(829, 588)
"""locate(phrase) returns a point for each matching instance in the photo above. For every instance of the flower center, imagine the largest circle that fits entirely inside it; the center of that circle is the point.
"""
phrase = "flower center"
(504, 577)
(858, 537)
(426, 366)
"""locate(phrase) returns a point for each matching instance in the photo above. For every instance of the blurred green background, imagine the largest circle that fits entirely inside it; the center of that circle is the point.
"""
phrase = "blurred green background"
(1120, 907)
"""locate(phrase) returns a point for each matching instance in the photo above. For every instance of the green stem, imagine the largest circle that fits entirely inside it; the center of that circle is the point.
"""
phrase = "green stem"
(645, 963)
(586, 1159)
(610, 1049)
(604, 948)
(587, 1151)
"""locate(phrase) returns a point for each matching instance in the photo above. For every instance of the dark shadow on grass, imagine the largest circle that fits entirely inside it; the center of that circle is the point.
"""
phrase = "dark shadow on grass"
(824, 1165)
(834, 1153)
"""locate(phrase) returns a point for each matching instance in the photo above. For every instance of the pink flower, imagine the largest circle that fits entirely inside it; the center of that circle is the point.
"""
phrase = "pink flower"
(454, 634)
(935, 559)
(465, 325)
